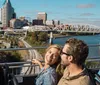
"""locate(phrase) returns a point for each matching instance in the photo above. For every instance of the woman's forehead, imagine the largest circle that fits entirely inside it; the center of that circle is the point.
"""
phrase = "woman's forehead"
(53, 49)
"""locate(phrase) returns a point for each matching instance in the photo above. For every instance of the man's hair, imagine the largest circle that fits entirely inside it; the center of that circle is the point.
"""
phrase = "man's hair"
(78, 49)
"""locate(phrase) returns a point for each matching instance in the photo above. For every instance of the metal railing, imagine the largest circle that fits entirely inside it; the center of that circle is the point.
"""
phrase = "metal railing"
(27, 79)
(16, 67)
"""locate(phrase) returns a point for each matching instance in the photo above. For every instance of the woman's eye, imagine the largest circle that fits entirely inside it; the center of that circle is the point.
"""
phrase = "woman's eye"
(49, 52)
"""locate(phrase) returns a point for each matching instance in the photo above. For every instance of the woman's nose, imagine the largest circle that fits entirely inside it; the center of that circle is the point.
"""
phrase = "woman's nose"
(51, 55)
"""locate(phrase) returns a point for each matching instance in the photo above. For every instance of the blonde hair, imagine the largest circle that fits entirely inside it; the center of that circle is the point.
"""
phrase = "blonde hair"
(54, 46)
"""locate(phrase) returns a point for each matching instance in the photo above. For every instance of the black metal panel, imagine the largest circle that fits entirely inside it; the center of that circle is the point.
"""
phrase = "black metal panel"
(28, 80)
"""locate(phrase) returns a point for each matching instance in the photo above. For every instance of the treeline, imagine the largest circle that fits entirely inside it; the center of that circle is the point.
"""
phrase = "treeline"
(37, 38)
(9, 56)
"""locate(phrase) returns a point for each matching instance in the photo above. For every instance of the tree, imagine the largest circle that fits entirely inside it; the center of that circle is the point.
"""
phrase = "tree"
(35, 36)
(43, 37)
(10, 57)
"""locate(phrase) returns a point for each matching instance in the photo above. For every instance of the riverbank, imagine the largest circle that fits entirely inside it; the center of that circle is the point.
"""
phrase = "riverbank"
(61, 36)
(68, 35)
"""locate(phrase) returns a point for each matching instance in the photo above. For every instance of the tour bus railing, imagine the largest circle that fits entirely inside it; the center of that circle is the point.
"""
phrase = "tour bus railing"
(40, 47)
(19, 65)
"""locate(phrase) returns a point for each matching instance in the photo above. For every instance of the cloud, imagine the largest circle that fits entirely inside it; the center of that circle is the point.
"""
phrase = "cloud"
(44, 5)
(28, 12)
(31, 12)
(86, 21)
(86, 6)
(65, 6)
(86, 14)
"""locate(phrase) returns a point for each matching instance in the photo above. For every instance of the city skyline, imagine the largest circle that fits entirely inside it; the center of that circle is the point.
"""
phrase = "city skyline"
(67, 11)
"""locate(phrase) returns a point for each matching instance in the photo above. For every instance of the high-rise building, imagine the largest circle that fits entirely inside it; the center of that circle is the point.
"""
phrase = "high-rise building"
(16, 23)
(50, 22)
(37, 22)
(42, 16)
(0, 14)
(7, 13)
(56, 22)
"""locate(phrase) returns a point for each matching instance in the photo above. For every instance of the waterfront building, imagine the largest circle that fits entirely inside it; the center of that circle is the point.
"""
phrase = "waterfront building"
(0, 14)
(1, 25)
(7, 13)
(16, 23)
(49, 22)
(37, 22)
(24, 21)
(0, 19)
(56, 22)
(42, 16)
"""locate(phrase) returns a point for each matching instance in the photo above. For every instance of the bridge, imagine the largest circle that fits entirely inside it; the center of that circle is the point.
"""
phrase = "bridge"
(73, 29)
(60, 28)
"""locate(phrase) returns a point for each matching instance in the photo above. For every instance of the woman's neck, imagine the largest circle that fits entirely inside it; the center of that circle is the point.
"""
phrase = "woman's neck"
(46, 66)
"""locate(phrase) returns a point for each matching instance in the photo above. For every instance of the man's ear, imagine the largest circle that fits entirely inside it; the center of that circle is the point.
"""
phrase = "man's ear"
(70, 58)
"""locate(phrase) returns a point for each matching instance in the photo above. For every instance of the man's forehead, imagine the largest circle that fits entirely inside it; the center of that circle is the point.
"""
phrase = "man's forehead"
(66, 47)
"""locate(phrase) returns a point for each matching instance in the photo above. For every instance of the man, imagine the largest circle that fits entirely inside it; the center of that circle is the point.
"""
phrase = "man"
(73, 56)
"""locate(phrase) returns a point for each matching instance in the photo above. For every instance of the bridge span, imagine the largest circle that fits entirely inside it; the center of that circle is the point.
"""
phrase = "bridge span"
(64, 28)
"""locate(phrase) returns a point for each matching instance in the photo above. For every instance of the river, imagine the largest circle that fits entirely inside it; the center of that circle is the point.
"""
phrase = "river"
(94, 51)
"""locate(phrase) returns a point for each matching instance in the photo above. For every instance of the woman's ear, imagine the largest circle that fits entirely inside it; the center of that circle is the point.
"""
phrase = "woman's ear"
(70, 58)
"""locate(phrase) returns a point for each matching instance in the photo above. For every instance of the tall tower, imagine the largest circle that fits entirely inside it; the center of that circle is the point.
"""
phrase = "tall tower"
(0, 14)
(42, 16)
(7, 12)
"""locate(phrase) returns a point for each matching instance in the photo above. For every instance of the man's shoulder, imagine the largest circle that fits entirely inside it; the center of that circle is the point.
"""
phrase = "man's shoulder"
(82, 80)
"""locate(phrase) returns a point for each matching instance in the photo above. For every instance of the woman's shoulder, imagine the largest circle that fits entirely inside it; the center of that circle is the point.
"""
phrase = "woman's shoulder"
(51, 70)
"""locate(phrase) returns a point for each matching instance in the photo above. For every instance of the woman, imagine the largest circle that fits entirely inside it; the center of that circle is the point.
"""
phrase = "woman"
(48, 75)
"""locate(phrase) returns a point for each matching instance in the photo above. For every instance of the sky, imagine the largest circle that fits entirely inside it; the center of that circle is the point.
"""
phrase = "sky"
(67, 11)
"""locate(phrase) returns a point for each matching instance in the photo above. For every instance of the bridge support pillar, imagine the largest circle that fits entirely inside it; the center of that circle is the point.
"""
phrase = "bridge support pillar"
(51, 38)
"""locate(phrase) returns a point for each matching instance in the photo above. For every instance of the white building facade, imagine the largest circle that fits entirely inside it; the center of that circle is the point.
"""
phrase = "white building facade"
(49, 22)
(0, 14)
(7, 12)
(42, 16)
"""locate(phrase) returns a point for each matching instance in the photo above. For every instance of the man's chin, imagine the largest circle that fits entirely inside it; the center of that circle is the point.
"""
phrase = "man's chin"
(63, 64)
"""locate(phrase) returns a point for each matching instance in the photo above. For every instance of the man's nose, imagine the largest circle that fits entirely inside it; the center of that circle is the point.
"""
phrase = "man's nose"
(61, 56)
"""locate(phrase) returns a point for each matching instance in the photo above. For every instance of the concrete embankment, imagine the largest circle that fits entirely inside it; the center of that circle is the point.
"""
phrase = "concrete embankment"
(68, 35)
(60, 37)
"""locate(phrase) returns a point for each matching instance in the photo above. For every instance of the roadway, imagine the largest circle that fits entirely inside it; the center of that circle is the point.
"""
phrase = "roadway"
(33, 54)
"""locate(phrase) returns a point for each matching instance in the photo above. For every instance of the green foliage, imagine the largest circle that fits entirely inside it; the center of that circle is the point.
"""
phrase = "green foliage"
(43, 37)
(9, 56)
(64, 33)
(37, 38)
(1, 32)
(92, 64)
